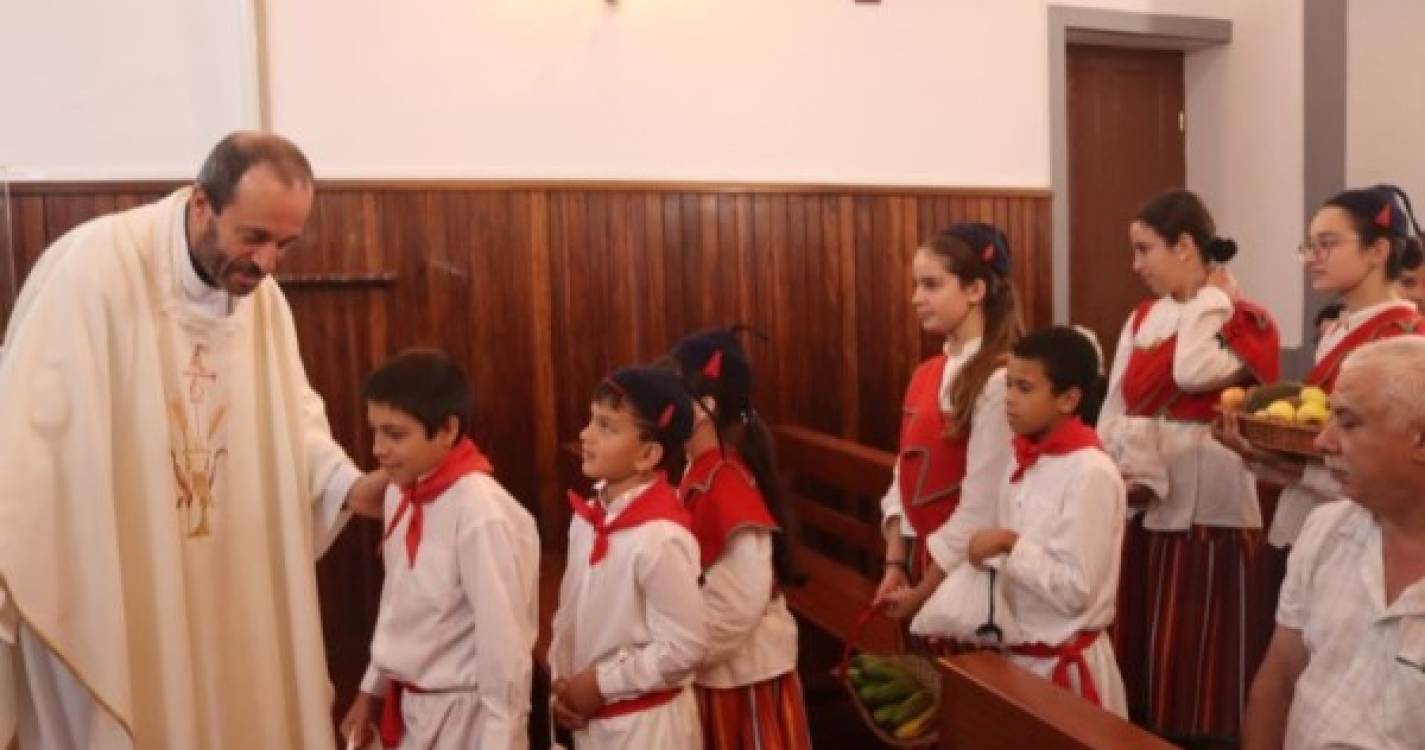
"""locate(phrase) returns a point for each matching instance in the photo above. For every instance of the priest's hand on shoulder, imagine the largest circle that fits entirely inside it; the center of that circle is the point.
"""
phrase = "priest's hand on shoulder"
(367, 494)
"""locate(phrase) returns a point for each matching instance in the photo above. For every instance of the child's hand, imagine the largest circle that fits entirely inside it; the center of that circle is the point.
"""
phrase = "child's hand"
(903, 603)
(892, 583)
(564, 716)
(356, 725)
(582, 695)
(990, 542)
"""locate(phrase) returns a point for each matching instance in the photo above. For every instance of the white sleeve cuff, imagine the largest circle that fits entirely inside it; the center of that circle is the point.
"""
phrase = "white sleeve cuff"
(330, 514)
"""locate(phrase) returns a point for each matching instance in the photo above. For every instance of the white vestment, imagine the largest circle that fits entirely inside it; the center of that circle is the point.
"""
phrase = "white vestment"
(167, 480)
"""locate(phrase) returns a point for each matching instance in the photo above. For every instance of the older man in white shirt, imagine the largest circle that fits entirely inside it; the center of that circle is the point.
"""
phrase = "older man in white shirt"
(1346, 665)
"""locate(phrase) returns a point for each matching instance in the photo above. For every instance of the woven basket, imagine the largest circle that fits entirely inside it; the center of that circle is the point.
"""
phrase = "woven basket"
(1279, 435)
(919, 667)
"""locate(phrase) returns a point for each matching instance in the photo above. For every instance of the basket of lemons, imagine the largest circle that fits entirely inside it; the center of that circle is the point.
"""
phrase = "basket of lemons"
(1281, 417)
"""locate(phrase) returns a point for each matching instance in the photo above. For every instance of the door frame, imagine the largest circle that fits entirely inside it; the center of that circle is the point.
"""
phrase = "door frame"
(1104, 28)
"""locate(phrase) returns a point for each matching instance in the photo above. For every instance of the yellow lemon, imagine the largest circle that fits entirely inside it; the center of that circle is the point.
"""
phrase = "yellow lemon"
(1282, 410)
(1313, 395)
(1311, 412)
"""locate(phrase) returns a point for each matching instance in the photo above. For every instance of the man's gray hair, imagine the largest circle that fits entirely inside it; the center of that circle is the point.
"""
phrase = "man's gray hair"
(1398, 364)
(238, 152)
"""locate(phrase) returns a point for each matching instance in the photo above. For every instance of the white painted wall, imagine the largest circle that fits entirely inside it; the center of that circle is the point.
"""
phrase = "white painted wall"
(923, 92)
(120, 88)
(1245, 148)
(943, 92)
(918, 91)
(1385, 95)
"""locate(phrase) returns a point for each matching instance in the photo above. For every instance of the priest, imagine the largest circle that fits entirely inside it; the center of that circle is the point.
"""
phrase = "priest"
(168, 477)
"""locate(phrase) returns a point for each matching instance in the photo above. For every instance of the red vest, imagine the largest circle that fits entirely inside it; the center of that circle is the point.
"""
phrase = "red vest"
(721, 494)
(1148, 386)
(1394, 321)
(931, 465)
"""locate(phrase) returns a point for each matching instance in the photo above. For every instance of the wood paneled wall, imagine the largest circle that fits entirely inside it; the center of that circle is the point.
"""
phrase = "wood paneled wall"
(540, 289)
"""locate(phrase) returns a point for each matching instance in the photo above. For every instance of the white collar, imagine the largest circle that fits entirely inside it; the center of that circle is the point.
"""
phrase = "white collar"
(616, 505)
(968, 350)
(196, 291)
(1350, 321)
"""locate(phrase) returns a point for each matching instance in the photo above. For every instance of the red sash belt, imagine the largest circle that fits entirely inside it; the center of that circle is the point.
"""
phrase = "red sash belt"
(393, 724)
(634, 705)
(1071, 655)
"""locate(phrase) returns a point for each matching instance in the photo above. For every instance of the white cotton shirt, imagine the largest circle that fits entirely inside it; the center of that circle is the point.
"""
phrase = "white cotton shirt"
(637, 618)
(1207, 484)
(1364, 681)
(987, 454)
(752, 636)
(464, 618)
(1062, 576)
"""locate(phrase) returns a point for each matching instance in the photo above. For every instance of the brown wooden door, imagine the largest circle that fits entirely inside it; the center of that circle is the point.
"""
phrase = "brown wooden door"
(1125, 145)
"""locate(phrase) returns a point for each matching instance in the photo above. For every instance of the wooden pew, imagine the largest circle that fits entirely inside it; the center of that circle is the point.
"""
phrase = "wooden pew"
(834, 486)
(991, 704)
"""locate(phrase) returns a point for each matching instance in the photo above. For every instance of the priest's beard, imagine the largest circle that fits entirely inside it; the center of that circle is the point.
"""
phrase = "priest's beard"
(220, 267)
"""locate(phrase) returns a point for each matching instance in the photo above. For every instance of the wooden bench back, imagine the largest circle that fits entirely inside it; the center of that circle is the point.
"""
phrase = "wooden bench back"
(991, 704)
(834, 487)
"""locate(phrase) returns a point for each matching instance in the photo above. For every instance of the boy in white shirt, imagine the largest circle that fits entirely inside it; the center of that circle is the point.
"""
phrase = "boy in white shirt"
(451, 654)
(630, 629)
(1058, 525)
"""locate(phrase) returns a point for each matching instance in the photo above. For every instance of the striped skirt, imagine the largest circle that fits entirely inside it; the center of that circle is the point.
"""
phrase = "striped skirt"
(1194, 616)
(767, 715)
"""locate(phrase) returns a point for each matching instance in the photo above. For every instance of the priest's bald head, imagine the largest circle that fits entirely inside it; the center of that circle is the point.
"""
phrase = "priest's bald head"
(248, 207)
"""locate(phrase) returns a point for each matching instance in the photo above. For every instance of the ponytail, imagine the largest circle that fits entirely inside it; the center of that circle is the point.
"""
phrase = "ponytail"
(973, 251)
(754, 444)
(714, 365)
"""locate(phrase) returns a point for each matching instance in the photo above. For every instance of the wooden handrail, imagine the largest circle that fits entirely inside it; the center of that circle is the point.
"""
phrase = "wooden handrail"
(850, 466)
(989, 703)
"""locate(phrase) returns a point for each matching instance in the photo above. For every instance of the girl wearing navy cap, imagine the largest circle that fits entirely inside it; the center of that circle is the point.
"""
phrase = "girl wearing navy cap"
(748, 692)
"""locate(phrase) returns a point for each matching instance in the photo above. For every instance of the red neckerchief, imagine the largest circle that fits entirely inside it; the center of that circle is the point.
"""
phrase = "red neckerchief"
(1068, 437)
(656, 503)
(463, 459)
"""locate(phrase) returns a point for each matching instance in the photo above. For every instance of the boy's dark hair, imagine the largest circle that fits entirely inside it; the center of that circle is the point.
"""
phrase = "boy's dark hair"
(1070, 361)
(425, 384)
(653, 395)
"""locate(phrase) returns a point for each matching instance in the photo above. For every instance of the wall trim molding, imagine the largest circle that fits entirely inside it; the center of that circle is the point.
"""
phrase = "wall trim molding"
(73, 187)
